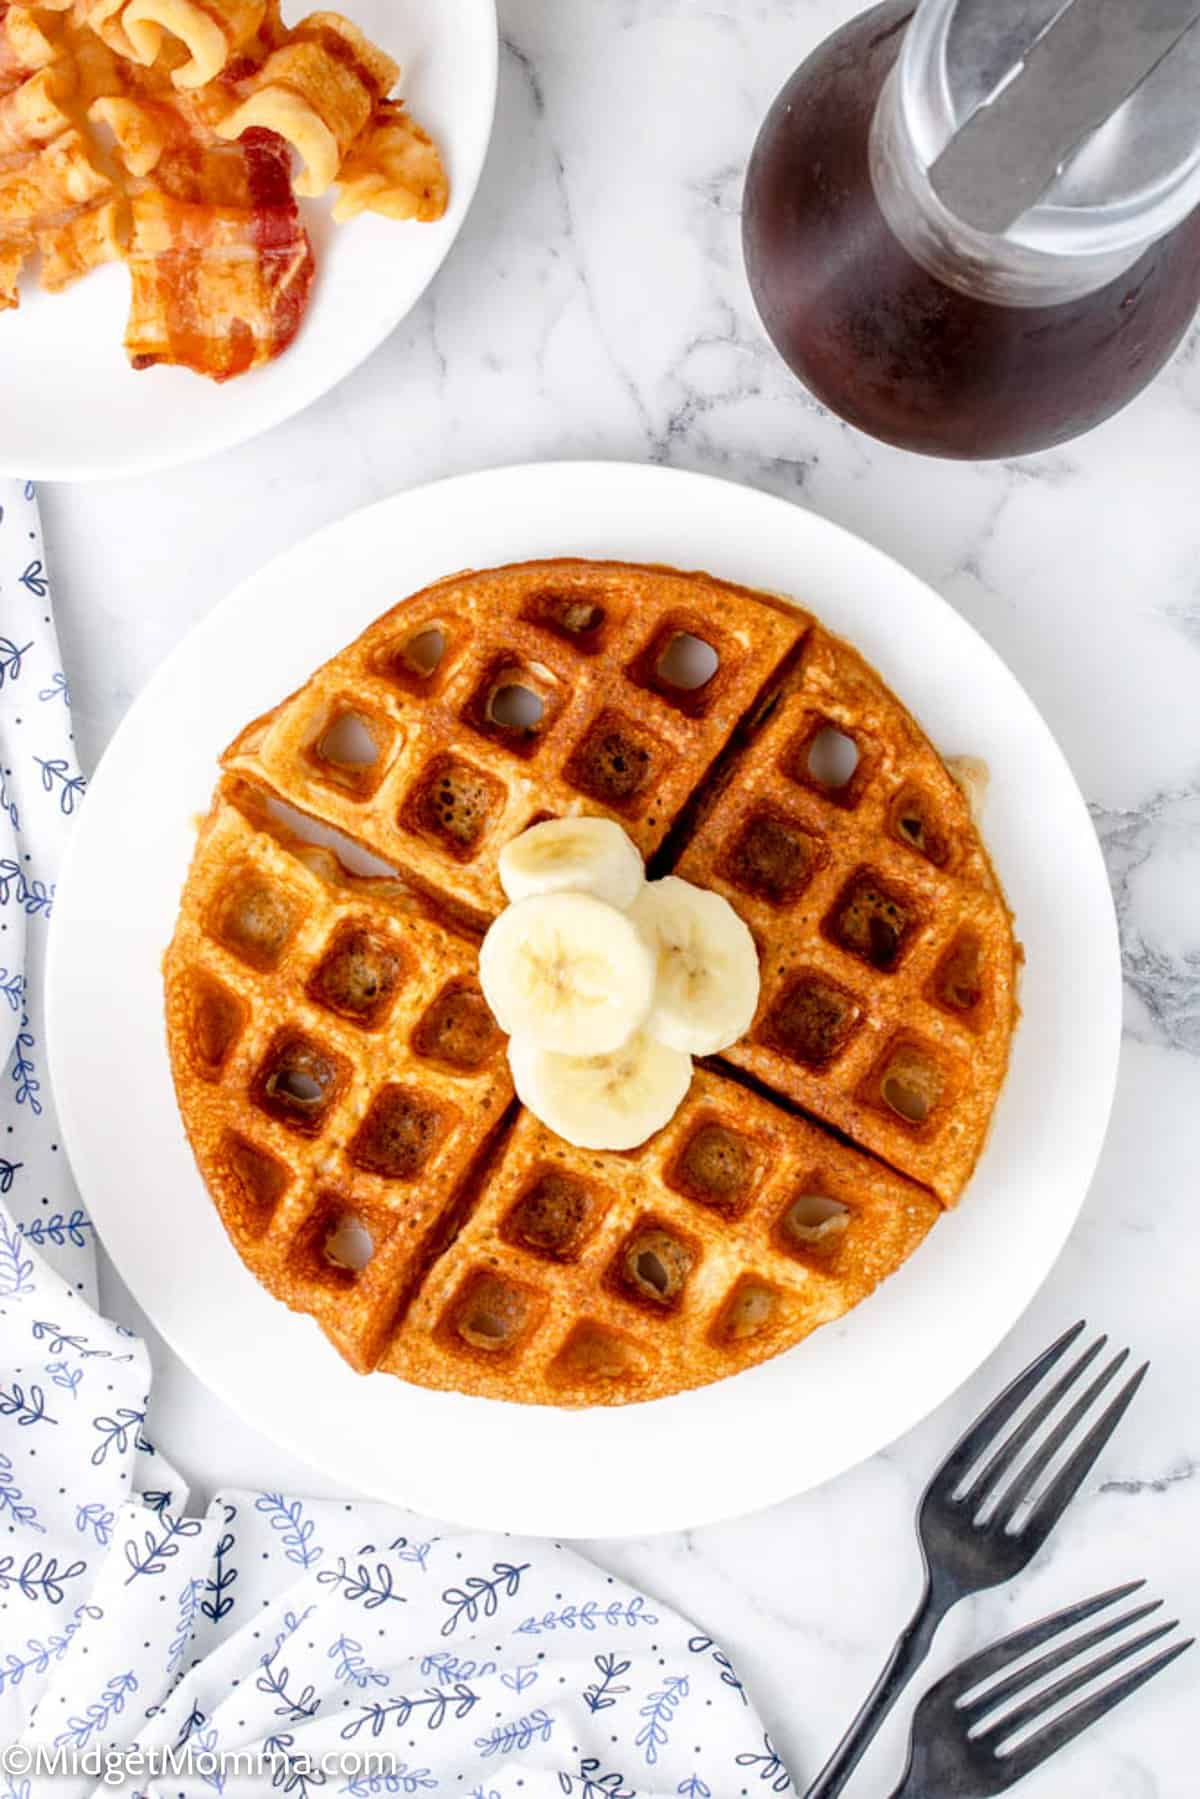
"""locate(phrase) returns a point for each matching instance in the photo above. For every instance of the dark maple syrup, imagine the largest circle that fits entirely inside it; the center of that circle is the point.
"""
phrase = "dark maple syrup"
(891, 346)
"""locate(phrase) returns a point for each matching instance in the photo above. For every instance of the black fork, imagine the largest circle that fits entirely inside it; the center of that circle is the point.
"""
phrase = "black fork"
(961, 1746)
(969, 1535)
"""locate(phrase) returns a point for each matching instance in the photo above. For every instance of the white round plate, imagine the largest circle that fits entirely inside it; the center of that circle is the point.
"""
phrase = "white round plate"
(73, 408)
(784, 1427)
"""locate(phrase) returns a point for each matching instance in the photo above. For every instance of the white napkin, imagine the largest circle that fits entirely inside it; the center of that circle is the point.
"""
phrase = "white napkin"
(306, 1632)
(305, 1629)
(40, 788)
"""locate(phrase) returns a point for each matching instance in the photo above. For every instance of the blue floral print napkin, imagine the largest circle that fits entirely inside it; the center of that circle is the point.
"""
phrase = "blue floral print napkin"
(40, 787)
(310, 1646)
(307, 1644)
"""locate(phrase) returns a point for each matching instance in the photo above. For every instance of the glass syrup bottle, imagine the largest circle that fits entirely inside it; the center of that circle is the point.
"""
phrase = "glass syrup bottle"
(922, 329)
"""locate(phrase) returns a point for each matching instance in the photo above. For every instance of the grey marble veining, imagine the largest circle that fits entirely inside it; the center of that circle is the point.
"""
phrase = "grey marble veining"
(1153, 856)
(596, 306)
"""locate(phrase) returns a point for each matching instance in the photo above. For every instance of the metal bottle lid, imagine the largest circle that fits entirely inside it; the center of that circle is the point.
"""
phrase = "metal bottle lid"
(1072, 129)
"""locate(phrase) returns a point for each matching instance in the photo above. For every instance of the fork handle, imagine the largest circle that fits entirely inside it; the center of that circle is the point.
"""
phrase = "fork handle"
(912, 1646)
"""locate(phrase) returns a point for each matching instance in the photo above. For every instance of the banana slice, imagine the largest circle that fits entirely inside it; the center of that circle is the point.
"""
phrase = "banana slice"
(707, 988)
(568, 972)
(602, 1102)
(573, 855)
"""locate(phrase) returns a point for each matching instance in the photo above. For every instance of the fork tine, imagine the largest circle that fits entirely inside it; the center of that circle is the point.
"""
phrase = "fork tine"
(991, 1422)
(1049, 1508)
(1000, 1729)
(1032, 1753)
(1011, 1448)
(977, 1709)
(1037, 1464)
(997, 1656)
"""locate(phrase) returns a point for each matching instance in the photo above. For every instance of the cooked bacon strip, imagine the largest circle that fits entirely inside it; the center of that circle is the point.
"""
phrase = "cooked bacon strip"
(53, 199)
(51, 186)
(220, 264)
(24, 47)
(77, 246)
(30, 116)
(219, 284)
(97, 69)
(346, 43)
(104, 18)
(30, 119)
(142, 129)
(394, 168)
(319, 92)
(211, 31)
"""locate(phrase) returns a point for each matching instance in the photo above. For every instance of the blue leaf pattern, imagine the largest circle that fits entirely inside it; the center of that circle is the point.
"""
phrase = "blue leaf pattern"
(59, 779)
(659, 1715)
(40, 1653)
(81, 1729)
(605, 1691)
(593, 1781)
(185, 1623)
(24, 1406)
(295, 1703)
(206, 1740)
(23, 1069)
(95, 1519)
(447, 1668)
(591, 1615)
(287, 1517)
(55, 1340)
(399, 1779)
(480, 1596)
(13, 1505)
(767, 1766)
(517, 1734)
(705, 1646)
(368, 1585)
(59, 1228)
(10, 658)
(37, 1576)
(41, 789)
(64, 1376)
(219, 1600)
(428, 1710)
(292, 1773)
(352, 1666)
(21, 890)
(404, 1551)
(33, 578)
(159, 1546)
(16, 1268)
(117, 1433)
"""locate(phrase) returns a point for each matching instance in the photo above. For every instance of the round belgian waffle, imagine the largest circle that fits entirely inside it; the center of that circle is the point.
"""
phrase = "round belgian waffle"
(345, 1088)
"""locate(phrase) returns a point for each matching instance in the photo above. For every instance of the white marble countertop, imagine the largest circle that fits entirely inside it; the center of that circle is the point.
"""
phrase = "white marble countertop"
(596, 306)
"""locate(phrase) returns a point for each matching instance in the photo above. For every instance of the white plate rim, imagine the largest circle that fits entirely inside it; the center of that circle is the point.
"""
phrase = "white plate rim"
(664, 1496)
(302, 391)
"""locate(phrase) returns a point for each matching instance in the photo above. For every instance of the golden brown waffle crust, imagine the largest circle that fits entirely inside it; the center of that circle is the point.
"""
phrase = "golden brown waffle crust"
(594, 685)
(336, 1068)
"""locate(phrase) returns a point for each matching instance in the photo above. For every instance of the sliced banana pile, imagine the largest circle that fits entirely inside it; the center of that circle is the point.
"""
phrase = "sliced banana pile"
(607, 984)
